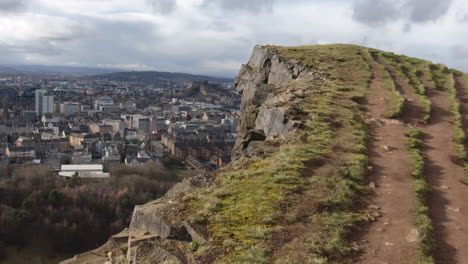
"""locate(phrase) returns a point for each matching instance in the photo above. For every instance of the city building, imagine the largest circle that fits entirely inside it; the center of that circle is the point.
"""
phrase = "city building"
(100, 128)
(20, 153)
(102, 101)
(44, 102)
(76, 139)
(138, 122)
(117, 125)
(83, 171)
(69, 108)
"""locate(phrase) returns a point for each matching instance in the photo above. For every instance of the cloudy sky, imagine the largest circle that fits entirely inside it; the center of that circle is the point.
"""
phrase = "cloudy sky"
(216, 36)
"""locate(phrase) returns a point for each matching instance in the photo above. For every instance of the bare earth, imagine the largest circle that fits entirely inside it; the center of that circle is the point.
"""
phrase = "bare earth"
(448, 200)
(393, 237)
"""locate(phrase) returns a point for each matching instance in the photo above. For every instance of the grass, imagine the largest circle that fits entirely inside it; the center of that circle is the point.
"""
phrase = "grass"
(396, 100)
(339, 220)
(465, 79)
(421, 189)
(405, 68)
(423, 72)
(444, 78)
(244, 209)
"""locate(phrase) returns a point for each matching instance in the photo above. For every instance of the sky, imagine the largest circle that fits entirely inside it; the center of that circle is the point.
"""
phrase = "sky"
(216, 36)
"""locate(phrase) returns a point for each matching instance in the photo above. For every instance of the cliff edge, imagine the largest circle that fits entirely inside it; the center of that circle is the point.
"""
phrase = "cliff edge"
(305, 184)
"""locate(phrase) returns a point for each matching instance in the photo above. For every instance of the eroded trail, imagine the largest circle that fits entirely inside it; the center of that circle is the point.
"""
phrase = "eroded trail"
(462, 89)
(413, 113)
(449, 197)
(391, 239)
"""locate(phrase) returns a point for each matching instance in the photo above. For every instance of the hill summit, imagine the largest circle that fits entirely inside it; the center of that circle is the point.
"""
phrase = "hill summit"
(345, 154)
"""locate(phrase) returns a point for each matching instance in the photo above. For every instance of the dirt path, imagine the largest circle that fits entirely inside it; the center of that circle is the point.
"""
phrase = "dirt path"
(462, 89)
(448, 201)
(413, 112)
(391, 238)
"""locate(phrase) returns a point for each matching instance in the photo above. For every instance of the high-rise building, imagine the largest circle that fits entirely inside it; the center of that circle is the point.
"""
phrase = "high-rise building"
(44, 102)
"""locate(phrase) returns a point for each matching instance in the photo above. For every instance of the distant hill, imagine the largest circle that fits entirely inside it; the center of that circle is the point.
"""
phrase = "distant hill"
(155, 76)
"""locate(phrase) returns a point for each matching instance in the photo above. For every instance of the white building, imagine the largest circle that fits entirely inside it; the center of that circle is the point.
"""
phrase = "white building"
(44, 102)
(84, 171)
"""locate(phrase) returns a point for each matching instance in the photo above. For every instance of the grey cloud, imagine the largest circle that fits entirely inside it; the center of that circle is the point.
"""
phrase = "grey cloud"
(250, 6)
(379, 12)
(374, 12)
(32, 47)
(460, 51)
(7, 6)
(407, 28)
(427, 10)
(163, 6)
(48, 44)
(220, 26)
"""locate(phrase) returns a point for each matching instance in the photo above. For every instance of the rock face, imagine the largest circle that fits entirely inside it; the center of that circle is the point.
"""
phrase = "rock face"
(264, 105)
(273, 121)
(159, 231)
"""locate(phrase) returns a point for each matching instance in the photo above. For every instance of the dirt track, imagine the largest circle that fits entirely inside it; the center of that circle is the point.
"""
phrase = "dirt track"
(449, 198)
(391, 238)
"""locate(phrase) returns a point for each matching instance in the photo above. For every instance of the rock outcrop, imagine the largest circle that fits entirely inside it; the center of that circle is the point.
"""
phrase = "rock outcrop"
(160, 231)
(264, 105)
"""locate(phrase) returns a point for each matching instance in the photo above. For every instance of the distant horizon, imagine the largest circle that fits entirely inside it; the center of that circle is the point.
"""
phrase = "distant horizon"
(106, 70)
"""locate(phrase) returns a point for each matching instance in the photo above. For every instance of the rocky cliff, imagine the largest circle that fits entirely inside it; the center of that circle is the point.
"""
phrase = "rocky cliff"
(274, 91)
(298, 188)
(267, 111)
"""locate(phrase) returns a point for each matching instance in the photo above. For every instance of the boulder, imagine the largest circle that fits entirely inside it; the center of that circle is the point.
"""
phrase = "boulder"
(157, 251)
(197, 232)
(273, 122)
(156, 217)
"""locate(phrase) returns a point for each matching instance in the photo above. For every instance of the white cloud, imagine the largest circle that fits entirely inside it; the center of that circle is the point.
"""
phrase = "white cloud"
(213, 36)
(221, 65)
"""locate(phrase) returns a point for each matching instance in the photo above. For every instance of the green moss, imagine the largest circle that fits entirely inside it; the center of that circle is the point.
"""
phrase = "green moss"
(254, 68)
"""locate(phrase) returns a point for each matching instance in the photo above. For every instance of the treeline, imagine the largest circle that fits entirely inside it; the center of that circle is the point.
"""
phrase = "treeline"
(77, 214)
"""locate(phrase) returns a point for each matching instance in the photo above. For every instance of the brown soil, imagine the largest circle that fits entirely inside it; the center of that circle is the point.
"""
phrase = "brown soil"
(391, 238)
(413, 111)
(448, 201)
(462, 90)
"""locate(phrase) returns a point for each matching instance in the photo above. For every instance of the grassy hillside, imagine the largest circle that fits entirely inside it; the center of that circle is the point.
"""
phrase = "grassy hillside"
(316, 189)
